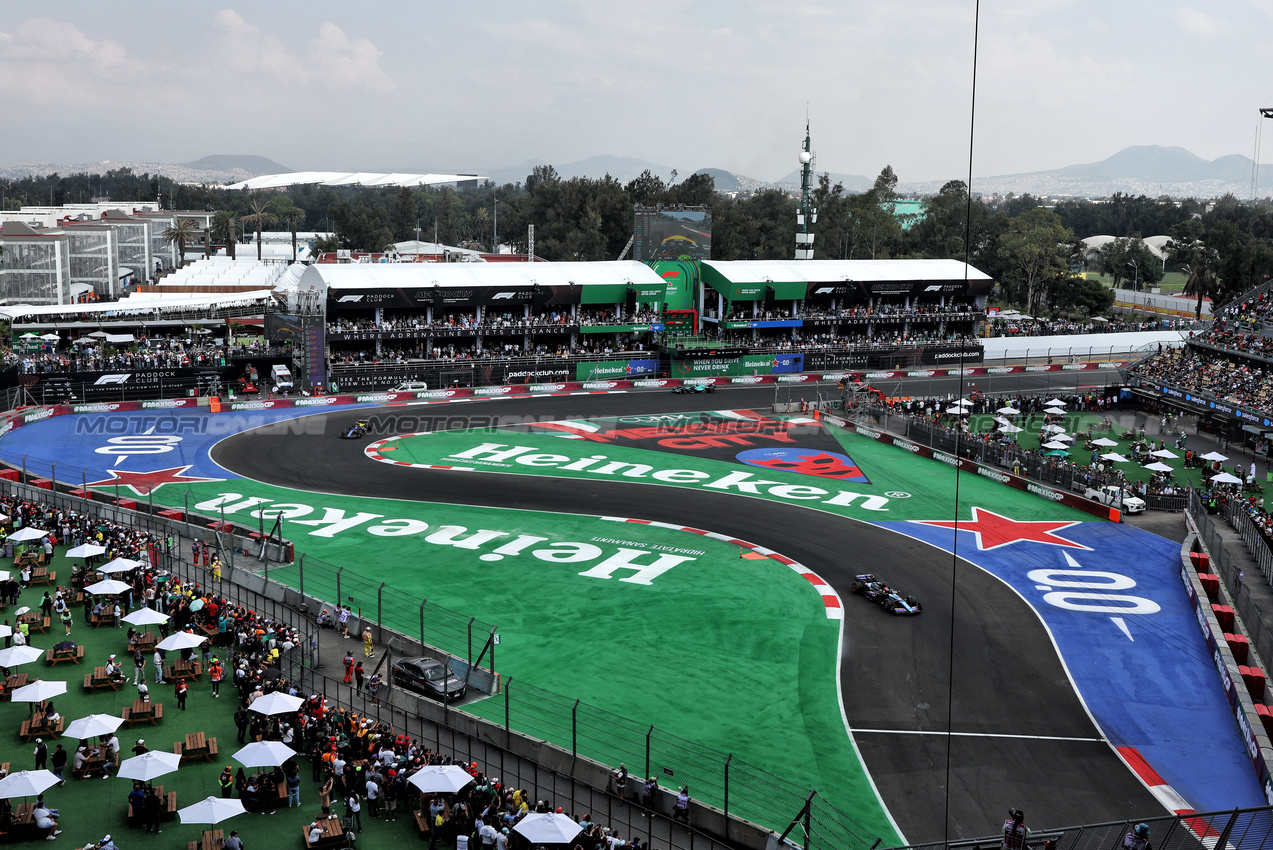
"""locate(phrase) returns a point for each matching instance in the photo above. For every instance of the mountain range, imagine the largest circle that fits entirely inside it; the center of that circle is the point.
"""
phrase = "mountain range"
(1144, 169)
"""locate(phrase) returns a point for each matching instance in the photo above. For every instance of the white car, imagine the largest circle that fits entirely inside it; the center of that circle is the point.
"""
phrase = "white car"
(1116, 497)
(410, 387)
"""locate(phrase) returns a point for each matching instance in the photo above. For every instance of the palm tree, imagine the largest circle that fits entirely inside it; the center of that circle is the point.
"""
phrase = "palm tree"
(225, 225)
(178, 233)
(258, 218)
(293, 216)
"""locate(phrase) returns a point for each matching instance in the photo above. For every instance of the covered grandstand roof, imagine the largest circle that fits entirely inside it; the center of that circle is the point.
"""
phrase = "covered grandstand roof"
(349, 178)
(417, 285)
(142, 302)
(351, 276)
(789, 271)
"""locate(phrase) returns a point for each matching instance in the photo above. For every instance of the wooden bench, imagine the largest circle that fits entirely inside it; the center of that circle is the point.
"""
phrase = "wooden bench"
(102, 619)
(36, 624)
(24, 827)
(333, 834)
(183, 670)
(30, 731)
(49, 577)
(209, 839)
(92, 765)
(132, 716)
(98, 679)
(53, 658)
(422, 823)
(170, 802)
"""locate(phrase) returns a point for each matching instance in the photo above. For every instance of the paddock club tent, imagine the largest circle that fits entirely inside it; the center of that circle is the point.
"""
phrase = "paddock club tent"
(423, 286)
(845, 280)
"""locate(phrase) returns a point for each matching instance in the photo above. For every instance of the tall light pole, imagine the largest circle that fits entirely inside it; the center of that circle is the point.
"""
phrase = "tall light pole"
(1136, 279)
(1265, 112)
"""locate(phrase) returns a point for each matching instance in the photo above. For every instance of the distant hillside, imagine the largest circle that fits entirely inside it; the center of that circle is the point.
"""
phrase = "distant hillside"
(852, 182)
(247, 163)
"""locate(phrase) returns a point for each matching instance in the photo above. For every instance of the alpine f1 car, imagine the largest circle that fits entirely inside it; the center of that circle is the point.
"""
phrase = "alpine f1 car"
(886, 597)
(696, 387)
(356, 431)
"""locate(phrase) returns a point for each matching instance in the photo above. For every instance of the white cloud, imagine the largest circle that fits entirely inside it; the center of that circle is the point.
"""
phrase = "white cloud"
(332, 59)
(46, 61)
(1193, 22)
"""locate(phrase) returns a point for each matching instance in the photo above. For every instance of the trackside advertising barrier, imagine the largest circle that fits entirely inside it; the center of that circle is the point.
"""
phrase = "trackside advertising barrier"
(601, 370)
(1258, 745)
(1006, 478)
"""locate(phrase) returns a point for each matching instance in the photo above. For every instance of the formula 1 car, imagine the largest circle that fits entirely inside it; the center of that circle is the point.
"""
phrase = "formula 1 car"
(356, 431)
(695, 387)
(886, 597)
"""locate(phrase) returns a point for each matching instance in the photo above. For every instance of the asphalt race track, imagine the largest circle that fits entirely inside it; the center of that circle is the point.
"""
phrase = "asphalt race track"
(1019, 738)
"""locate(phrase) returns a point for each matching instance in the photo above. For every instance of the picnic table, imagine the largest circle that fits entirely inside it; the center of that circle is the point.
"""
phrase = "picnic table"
(11, 684)
(28, 557)
(145, 641)
(54, 656)
(38, 726)
(183, 670)
(35, 621)
(209, 839)
(43, 575)
(23, 823)
(143, 711)
(333, 833)
(196, 746)
(93, 765)
(168, 800)
(107, 617)
(99, 679)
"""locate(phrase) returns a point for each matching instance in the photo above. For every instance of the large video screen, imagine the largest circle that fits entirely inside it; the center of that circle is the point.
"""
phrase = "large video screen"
(673, 234)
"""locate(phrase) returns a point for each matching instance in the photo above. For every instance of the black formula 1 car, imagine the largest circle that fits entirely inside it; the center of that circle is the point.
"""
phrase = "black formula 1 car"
(356, 431)
(886, 597)
(696, 387)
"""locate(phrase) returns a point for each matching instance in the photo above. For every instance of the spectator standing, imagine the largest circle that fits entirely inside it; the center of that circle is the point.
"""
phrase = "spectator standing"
(181, 689)
(1015, 831)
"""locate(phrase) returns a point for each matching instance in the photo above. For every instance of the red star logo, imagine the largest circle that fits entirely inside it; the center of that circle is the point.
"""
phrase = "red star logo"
(142, 483)
(993, 530)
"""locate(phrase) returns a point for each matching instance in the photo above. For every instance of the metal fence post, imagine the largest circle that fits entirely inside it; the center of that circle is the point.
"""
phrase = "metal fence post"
(728, 759)
(470, 658)
(508, 729)
(300, 574)
(339, 570)
(574, 730)
(380, 615)
(423, 602)
(494, 641)
(648, 733)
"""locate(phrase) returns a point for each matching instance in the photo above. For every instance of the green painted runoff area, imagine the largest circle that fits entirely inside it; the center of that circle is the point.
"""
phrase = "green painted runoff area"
(732, 653)
(902, 485)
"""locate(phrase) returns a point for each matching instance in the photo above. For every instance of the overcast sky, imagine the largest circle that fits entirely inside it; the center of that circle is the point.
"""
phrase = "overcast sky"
(463, 86)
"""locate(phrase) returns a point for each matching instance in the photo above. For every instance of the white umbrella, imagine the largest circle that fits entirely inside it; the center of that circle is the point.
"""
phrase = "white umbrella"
(4, 575)
(1214, 456)
(211, 810)
(25, 609)
(84, 341)
(119, 565)
(99, 334)
(440, 778)
(146, 617)
(547, 828)
(1166, 453)
(6, 631)
(956, 411)
(1055, 411)
(1008, 410)
(1055, 444)
(1055, 429)
(963, 402)
(1114, 456)
(50, 337)
(108, 587)
(180, 640)
(26, 534)
(148, 766)
(39, 691)
(1064, 438)
(1104, 442)
(93, 726)
(16, 655)
(29, 335)
(1010, 429)
(1158, 466)
(275, 702)
(1052, 402)
(86, 550)
(264, 754)
(27, 783)
(1225, 478)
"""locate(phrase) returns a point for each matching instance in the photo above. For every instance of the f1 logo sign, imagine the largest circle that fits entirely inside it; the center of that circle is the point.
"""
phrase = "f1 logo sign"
(347, 298)
(107, 380)
(823, 290)
(503, 295)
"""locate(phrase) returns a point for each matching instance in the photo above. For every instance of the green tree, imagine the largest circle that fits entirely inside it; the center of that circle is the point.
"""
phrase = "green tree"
(258, 219)
(1129, 258)
(178, 233)
(225, 225)
(1189, 249)
(292, 217)
(1034, 252)
(403, 216)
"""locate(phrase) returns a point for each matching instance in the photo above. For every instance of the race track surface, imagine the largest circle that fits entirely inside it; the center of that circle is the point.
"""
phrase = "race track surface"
(977, 663)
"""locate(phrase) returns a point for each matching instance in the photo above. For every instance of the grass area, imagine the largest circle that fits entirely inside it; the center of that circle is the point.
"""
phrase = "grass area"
(91, 808)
